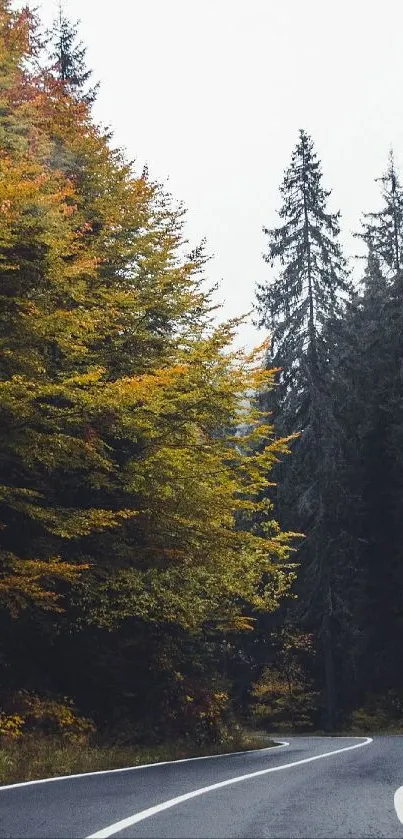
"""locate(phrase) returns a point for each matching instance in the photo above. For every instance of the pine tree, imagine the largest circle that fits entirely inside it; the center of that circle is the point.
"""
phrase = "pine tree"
(68, 57)
(383, 231)
(308, 290)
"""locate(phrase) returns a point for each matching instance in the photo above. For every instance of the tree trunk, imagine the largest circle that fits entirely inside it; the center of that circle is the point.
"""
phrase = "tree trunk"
(311, 326)
(330, 687)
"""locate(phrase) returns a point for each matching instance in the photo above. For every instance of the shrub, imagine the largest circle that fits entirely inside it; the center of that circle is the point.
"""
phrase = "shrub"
(49, 716)
(379, 713)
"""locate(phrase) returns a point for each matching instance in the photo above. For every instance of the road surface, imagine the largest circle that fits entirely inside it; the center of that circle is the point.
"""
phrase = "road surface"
(314, 787)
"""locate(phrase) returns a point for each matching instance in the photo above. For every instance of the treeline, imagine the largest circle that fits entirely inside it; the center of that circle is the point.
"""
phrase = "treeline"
(131, 555)
(338, 348)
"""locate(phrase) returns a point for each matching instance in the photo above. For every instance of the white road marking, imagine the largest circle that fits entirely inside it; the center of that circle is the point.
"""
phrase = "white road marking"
(172, 802)
(280, 744)
(398, 802)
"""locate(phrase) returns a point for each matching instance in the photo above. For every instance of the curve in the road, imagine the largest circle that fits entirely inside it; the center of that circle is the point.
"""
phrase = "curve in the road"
(117, 827)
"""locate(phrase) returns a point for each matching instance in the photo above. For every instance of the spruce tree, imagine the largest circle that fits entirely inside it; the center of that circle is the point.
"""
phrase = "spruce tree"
(308, 290)
(312, 278)
(68, 57)
(382, 231)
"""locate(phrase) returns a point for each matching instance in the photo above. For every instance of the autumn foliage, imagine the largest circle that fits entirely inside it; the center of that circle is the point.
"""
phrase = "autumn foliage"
(127, 495)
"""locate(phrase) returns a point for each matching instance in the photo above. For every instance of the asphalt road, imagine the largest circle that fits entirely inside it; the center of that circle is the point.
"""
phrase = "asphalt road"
(314, 787)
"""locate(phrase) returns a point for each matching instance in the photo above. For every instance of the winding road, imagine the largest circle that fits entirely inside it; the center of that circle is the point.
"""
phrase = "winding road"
(310, 787)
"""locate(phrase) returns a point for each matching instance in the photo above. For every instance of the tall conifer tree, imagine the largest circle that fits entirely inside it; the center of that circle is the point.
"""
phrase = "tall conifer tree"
(308, 290)
(312, 279)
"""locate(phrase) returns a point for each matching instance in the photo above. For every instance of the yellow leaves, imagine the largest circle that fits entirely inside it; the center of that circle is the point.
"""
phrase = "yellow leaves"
(83, 381)
(73, 524)
(55, 716)
(33, 203)
(24, 182)
(149, 389)
(24, 582)
(11, 725)
(22, 494)
(237, 623)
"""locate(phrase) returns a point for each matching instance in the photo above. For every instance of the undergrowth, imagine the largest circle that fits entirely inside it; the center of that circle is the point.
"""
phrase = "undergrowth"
(34, 757)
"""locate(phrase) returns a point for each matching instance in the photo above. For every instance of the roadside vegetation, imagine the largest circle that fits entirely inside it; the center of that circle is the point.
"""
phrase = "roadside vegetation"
(44, 757)
(61, 742)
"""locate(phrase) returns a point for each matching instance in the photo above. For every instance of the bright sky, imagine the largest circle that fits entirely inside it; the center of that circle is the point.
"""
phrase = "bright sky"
(211, 94)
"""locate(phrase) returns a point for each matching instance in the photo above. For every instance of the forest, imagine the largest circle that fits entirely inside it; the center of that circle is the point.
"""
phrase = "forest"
(193, 539)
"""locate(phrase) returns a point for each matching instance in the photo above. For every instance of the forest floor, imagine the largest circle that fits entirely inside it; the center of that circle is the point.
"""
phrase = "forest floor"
(35, 757)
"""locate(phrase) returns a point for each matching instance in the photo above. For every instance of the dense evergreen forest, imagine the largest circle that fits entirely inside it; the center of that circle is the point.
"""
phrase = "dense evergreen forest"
(337, 348)
(191, 537)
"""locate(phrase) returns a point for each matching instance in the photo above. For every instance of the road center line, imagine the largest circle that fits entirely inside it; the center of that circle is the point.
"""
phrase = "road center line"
(398, 802)
(172, 802)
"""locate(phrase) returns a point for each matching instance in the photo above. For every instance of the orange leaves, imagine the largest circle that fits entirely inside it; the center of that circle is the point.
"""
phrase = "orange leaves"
(5, 206)
(15, 30)
(27, 193)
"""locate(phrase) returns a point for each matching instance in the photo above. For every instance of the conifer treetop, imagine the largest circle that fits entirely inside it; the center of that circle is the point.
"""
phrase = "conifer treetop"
(68, 57)
(382, 231)
(312, 277)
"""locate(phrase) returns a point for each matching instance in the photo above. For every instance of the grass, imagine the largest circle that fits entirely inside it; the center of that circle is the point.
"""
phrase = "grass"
(34, 757)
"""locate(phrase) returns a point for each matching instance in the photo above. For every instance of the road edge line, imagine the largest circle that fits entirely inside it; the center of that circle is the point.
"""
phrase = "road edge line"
(20, 784)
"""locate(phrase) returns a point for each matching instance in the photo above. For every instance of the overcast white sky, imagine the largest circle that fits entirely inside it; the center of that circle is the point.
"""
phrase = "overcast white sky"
(211, 94)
